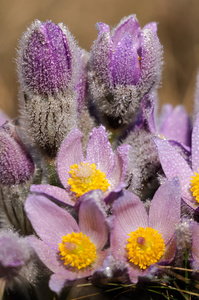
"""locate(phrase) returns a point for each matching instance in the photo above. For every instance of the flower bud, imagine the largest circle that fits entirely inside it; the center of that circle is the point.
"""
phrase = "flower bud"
(125, 65)
(51, 72)
(16, 263)
(16, 164)
(16, 174)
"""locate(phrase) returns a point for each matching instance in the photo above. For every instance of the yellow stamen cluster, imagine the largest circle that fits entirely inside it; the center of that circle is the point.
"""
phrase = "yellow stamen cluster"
(86, 177)
(145, 247)
(195, 186)
(77, 250)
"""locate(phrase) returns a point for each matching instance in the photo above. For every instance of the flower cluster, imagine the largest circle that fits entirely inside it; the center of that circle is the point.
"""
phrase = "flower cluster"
(95, 185)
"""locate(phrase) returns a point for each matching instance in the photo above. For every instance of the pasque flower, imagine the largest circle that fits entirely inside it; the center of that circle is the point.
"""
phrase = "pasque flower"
(52, 76)
(70, 250)
(125, 65)
(100, 169)
(174, 164)
(141, 240)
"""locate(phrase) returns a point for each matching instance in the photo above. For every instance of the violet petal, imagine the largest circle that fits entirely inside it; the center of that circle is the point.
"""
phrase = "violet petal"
(69, 153)
(125, 62)
(50, 221)
(46, 254)
(117, 178)
(195, 146)
(54, 192)
(174, 165)
(130, 212)
(164, 211)
(129, 26)
(92, 219)
(99, 150)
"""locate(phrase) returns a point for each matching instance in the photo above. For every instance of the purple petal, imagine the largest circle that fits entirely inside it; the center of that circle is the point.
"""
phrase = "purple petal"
(151, 57)
(46, 254)
(130, 212)
(99, 150)
(195, 242)
(125, 62)
(49, 220)
(54, 192)
(92, 218)
(164, 211)
(166, 111)
(57, 281)
(128, 215)
(195, 146)
(70, 153)
(174, 165)
(129, 26)
(118, 241)
(102, 28)
(177, 126)
(101, 53)
(117, 177)
(134, 272)
(169, 253)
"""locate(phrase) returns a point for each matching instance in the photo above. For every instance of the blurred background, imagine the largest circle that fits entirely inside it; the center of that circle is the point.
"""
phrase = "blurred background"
(178, 30)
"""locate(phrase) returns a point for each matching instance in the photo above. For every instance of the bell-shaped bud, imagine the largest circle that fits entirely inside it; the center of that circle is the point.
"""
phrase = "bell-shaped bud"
(125, 65)
(51, 72)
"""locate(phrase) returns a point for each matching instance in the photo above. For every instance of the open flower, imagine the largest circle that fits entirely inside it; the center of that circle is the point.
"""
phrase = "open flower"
(174, 164)
(101, 169)
(70, 250)
(140, 240)
(125, 65)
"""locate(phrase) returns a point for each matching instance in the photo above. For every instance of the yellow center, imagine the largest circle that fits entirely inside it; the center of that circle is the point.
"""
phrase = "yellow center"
(86, 177)
(77, 250)
(195, 186)
(145, 247)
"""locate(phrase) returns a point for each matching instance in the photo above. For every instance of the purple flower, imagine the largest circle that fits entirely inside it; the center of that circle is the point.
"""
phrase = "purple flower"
(70, 250)
(174, 164)
(100, 169)
(45, 60)
(125, 65)
(52, 75)
(140, 240)
(16, 164)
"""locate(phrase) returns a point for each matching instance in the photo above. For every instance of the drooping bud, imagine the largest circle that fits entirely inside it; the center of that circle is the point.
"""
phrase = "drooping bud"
(49, 69)
(125, 65)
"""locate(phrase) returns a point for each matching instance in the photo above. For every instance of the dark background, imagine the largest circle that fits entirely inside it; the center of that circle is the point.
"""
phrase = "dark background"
(178, 30)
